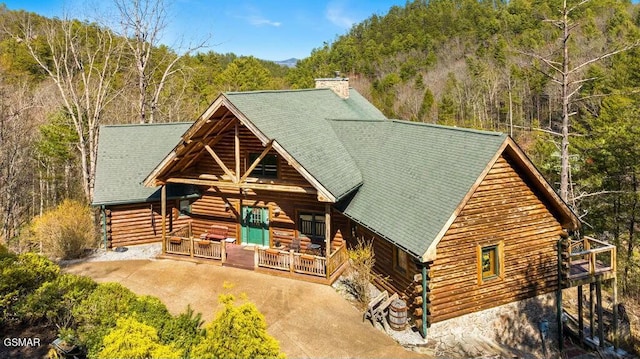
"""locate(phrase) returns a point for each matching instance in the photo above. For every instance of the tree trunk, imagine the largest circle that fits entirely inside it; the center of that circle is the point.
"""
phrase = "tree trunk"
(564, 146)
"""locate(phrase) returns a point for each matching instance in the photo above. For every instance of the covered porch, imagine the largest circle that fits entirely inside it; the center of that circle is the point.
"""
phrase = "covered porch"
(309, 262)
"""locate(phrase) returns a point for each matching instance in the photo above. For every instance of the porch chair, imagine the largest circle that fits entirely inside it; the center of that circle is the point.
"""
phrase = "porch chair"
(295, 245)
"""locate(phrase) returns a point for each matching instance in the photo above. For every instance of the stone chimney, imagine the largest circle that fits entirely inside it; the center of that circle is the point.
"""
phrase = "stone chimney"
(339, 85)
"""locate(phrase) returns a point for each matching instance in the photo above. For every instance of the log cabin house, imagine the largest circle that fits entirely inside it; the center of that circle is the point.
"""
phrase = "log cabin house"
(461, 221)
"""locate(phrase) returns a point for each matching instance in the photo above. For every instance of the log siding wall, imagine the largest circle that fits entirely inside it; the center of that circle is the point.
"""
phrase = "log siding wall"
(140, 223)
(504, 209)
(210, 210)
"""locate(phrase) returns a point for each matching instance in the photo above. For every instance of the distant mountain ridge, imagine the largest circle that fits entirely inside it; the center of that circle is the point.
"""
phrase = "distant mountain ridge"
(292, 62)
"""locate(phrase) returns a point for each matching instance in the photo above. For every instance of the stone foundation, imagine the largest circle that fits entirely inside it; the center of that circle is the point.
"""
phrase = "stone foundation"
(513, 327)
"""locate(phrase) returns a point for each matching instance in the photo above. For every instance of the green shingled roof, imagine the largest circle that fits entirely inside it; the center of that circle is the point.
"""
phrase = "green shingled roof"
(126, 155)
(414, 176)
(297, 121)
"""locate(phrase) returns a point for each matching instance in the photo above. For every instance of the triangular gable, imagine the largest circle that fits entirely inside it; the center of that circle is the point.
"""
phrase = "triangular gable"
(216, 119)
(525, 167)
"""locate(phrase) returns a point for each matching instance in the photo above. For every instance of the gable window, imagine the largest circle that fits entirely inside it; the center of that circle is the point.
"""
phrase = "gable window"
(400, 260)
(490, 262)
(267, 168)
(312, 225)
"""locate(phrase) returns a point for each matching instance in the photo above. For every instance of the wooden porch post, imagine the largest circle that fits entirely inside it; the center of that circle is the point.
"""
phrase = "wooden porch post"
(163, 204)
(237, 153)
(327, 229)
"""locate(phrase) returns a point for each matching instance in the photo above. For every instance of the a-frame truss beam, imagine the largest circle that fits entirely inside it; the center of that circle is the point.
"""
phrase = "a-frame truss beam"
(221, 164)
(212, 143)
(256, 162)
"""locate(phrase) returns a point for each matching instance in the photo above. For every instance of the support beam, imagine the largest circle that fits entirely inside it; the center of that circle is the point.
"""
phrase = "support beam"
(327, 231)
(220, 163)
(237, 153)
(201, 142)
(592, 309)
(163, 211)
(256, 162)
(559, 310)
(253, 186)
(600, 314)
(614, 289)
(580, 315)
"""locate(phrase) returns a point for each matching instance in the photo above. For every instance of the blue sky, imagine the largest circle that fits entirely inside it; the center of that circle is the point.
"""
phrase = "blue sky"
(271, 30)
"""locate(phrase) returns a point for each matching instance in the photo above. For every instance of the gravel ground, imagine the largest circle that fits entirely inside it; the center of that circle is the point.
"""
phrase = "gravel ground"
(141, 251)
(409, 338)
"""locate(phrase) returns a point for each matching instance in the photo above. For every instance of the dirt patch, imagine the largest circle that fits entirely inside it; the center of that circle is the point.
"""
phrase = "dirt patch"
(22, 340)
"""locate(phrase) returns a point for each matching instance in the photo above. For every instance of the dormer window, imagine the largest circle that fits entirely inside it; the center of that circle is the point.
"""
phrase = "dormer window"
(267, 168)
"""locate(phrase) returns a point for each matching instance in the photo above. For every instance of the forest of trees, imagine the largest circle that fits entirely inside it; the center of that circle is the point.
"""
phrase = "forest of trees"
(562, 79)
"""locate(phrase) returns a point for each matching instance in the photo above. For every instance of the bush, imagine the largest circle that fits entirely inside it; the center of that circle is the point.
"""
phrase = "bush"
(66, 231)
(183, 331)
(21, 275)
(99, 312)
(135, 340)
(362, 260)
(237, 332)
(54, 299)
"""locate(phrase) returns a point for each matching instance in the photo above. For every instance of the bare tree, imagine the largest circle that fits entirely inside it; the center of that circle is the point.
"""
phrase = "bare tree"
(143, 23)
(569, 78)
(83, 61)
(17, 130)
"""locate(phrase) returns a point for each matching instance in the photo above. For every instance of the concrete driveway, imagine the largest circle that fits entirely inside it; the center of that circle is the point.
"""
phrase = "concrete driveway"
(309, 320)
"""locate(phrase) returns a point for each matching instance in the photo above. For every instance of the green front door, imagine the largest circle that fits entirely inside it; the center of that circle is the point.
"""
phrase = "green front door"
(255, 226)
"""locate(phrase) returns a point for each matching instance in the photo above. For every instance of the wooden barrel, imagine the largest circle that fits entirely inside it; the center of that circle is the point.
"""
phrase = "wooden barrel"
(398, 314)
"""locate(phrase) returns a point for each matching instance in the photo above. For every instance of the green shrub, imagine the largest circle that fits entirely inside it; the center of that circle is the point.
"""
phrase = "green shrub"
(4, 252)
(66, 231)
(151, 311)
(99, 312)
(54, 299)
(22, 275)
(237, 332)
(135, 340)
(183, 331)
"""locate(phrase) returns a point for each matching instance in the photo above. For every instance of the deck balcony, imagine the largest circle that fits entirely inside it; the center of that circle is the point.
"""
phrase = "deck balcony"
(589, 260)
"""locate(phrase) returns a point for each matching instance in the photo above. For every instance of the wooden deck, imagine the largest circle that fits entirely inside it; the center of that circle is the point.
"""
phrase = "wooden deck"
(181, 244)
(588, 261)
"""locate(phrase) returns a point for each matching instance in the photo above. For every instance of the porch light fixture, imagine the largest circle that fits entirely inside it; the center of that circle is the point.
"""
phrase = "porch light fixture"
(227, 206)
(277, 211)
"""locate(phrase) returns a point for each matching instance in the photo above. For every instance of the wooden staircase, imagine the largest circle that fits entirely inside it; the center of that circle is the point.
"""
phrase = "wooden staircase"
(239, 256)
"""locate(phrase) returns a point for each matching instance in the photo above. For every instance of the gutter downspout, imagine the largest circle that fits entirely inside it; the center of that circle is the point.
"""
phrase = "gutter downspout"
(424, 300)
(104, 226)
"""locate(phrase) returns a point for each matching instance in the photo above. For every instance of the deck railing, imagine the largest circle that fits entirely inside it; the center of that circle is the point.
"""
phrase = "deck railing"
(181, 242)
(336, 259)
(299, 262)
(590, 257)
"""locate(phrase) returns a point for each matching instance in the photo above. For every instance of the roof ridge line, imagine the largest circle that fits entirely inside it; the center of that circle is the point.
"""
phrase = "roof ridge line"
(273, 91)
(148, 124)
(445, 127)
(356, 120)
